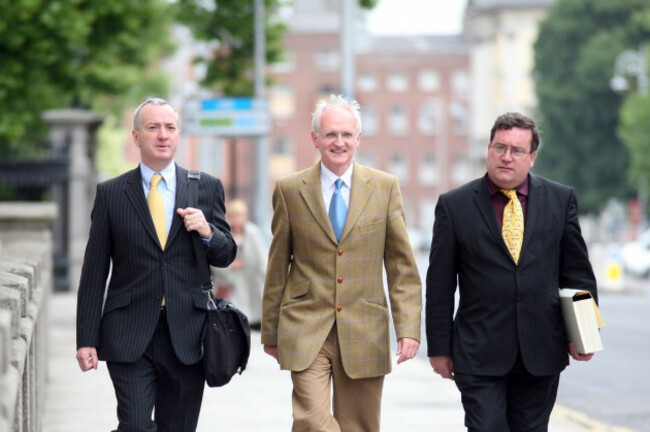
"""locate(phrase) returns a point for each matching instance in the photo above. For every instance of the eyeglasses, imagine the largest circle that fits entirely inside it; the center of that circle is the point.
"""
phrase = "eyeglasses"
(516, 152)
(333, 136)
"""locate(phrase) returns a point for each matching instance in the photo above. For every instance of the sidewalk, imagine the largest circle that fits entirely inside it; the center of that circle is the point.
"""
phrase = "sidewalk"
(259, 400)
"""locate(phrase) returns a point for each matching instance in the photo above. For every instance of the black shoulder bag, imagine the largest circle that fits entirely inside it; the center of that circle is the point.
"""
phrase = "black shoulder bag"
(227, 334)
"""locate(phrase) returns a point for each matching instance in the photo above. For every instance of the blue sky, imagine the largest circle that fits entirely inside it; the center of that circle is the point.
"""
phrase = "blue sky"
(417, 17)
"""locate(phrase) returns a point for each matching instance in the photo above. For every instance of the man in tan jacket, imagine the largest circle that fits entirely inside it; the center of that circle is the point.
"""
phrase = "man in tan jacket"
(325, 317)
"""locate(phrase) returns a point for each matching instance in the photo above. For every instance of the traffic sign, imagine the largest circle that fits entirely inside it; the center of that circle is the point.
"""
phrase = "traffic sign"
(227, 117)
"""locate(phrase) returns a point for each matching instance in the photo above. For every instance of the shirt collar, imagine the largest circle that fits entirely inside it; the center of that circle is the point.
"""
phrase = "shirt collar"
(522, 189)
(327, 177)
(168, 173)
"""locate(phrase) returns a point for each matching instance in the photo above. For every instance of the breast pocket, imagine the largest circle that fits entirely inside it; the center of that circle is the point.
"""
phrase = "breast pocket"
(371, 226)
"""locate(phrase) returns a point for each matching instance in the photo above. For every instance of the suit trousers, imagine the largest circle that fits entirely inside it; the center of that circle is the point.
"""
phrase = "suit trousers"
(516, 402)
(357, 402)
(157, 380)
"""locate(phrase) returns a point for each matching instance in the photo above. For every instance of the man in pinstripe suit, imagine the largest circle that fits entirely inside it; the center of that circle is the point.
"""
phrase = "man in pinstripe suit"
(325, 313)
(149, 328)
(506, 346)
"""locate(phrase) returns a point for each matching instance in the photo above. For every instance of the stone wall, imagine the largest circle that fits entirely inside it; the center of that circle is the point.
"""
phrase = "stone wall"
(25, 284)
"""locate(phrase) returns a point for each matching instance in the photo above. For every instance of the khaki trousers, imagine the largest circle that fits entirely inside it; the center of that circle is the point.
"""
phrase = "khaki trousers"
(357, 402)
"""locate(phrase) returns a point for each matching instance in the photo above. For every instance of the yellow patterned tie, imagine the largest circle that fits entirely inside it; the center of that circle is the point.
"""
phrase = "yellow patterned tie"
(513, 224)
(157, 209)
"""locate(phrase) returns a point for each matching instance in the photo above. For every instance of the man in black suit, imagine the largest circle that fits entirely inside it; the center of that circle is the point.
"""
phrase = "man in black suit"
(506, 346)
(149, 328)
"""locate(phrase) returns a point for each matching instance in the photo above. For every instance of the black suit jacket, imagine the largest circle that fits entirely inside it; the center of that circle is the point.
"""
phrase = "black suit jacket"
(122, 235)
(503, 307)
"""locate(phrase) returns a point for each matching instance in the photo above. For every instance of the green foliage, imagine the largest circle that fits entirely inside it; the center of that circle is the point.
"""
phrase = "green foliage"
(56, 52)
(578, 112)
(231, 24)
(634, 131)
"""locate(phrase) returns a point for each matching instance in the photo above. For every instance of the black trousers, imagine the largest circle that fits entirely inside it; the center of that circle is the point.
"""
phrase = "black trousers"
(157, 380)
(516, 402)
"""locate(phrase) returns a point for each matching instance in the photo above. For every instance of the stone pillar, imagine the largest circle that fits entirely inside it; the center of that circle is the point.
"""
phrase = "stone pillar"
(74, 132)
(25, 282)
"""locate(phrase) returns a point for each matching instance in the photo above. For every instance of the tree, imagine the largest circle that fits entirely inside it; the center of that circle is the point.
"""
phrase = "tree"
(56, 53)
(574, 61)
(230, 23)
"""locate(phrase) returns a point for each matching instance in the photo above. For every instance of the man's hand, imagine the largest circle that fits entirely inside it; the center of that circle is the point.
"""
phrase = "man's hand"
(195, 221)
(576, 355)
(407, 348)
(272, 350)
(87, 358)
(443, 366)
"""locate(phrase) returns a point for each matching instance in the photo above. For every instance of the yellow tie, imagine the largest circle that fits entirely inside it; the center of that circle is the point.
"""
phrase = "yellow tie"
(157, 209)
(513, 224)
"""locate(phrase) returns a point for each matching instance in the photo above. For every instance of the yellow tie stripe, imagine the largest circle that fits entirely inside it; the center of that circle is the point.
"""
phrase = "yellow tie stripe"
(513, 224)
(157, 209)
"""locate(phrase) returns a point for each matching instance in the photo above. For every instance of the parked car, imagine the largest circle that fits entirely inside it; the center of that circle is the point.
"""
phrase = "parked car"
(636, 255)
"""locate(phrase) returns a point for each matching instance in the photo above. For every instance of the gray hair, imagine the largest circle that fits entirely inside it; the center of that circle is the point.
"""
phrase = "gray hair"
(335, 101)
(150, 101)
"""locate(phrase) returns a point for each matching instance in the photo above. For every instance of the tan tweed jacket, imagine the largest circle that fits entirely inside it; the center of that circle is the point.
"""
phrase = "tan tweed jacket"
(312, 282)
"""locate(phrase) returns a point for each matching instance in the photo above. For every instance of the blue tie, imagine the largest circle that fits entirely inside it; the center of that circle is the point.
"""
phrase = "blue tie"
(338, 210)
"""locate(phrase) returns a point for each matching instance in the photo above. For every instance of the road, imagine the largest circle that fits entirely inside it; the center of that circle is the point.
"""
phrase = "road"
(613, 389)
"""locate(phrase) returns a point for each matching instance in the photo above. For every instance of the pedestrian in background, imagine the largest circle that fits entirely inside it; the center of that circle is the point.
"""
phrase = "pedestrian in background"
(243, 281)
(508, 241)
(336, 226)
(150, 326)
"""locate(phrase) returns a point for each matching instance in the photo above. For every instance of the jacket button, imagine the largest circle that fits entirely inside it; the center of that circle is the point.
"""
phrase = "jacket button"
(339, 308)
(340, 252)
(340, 279)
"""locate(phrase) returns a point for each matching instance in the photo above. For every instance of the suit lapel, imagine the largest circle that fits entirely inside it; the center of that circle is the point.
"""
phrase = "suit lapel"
(181, 199)
(486, 208)
(135, 195)
(362, 187)
(533, 211)
(312, 193)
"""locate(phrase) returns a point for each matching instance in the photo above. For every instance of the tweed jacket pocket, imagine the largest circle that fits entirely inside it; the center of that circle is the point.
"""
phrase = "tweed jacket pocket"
(372, 225)
(297, 292)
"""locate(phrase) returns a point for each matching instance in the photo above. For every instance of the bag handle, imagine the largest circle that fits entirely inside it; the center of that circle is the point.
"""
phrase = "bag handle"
(193, 177)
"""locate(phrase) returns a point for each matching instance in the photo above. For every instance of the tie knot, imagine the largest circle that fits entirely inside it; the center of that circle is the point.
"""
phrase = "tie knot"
(510, 193)
(155, 179)
(338, 183)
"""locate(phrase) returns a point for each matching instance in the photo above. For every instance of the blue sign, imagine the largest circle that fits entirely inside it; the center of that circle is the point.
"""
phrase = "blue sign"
(227, 117)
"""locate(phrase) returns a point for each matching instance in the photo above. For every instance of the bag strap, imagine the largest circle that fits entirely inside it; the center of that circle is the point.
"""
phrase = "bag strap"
(193, 177)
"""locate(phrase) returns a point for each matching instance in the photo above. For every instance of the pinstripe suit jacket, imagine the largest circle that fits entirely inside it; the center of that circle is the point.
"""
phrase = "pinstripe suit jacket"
(313, 282)
(122, 234)
(503, 307)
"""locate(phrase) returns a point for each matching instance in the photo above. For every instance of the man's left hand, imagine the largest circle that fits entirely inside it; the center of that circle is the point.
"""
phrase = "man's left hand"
(407, 348)
(195, 221)
(576, 355)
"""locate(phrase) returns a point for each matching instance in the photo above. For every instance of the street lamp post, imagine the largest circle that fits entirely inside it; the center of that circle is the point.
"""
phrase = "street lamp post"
(634, 63)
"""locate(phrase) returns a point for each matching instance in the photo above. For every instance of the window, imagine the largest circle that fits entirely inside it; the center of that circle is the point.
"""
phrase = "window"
(366, 159)
(429, 81)
(282, 102)
(398, 166)
(428, 172)
(369, 120)
(458, 118)
(367, 82)
(327, 60)
(397, 82)
(460, 170)
(429, 117)
(460, 83)
(398, 120)
(282, 146)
